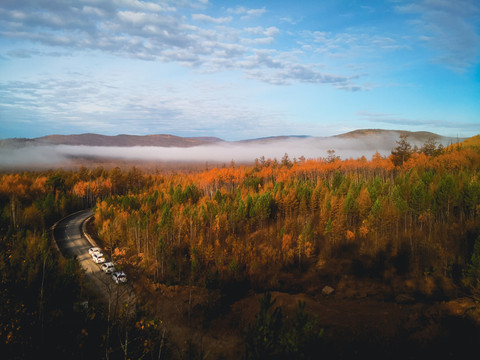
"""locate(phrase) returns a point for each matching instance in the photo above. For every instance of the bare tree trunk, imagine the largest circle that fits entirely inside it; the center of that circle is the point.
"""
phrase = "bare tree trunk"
(161, 344)
(107, 338)
(41, 315)
(14, 217)
(146, 240)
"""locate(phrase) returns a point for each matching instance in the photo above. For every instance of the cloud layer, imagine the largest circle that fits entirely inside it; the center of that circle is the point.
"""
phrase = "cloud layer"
(160, 32)
(240, 152)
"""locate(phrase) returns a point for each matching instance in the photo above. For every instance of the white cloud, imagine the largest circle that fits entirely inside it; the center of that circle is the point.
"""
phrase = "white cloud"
(105, 106)
(278, 69)
(90, 10)
(247, 13)
(254, 13)
(350, 44)
(208, 19)
(143, 5)
(267, 33)
(260, 30)
(259, 41)
(157, 31)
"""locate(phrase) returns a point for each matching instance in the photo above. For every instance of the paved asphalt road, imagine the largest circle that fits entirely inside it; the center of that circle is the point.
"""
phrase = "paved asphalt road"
(72, 243)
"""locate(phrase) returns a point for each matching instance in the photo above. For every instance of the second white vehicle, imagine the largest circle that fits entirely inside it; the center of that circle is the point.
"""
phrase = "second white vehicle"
(108, 267)
(98, 258)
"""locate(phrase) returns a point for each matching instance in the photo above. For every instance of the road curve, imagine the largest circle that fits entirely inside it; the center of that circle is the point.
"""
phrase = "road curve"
(72, 243)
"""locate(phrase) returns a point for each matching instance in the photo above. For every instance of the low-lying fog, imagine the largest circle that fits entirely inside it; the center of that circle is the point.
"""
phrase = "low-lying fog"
(240, 152)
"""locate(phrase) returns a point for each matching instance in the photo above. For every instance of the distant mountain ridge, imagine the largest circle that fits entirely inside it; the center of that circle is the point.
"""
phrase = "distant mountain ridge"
(123, 140)
(165, 140)
(175, 152)
(361, 132)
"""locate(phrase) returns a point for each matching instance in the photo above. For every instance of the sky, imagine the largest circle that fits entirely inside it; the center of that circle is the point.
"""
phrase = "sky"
(238, 69)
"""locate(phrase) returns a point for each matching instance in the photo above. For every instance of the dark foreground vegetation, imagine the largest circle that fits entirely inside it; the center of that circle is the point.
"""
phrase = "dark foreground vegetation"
(401, 231)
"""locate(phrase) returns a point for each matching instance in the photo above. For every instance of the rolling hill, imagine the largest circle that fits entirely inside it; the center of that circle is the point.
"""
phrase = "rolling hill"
(122, 140)
(415, 137)
(165, 140)
(473, 142)
(90, 149)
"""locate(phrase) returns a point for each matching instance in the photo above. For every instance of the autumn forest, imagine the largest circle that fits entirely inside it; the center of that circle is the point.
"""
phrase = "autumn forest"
(276, 225)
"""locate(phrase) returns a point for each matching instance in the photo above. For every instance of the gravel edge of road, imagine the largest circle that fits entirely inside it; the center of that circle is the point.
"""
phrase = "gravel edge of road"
(86, 234)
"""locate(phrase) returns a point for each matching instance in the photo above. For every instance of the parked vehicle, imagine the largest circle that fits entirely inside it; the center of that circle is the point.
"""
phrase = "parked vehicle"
(98, 258)
(119, 277)
(108, 267)
(93, 250)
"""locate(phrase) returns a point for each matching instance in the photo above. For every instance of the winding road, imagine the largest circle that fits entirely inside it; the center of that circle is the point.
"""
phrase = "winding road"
(72, 243)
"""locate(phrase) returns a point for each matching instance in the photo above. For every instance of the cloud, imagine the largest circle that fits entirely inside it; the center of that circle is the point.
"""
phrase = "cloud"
(267, 33)
(259, 41)
(208, 19)
(127, 28)
(144, 5)
(351, 44)
(448, 27)
(266, 67)
(80, 101)
(260, 30)
(159, 31)
(422, 123)
(23, 53)
(247, 13)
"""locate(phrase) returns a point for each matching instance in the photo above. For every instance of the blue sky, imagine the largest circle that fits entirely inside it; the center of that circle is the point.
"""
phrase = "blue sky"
(238, 69)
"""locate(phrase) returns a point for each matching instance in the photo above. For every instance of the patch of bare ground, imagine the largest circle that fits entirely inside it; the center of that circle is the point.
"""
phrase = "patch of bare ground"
(358, 319)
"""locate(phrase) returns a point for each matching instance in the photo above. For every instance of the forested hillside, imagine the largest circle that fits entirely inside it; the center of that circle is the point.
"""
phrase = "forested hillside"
(258, 223)
(280, 225)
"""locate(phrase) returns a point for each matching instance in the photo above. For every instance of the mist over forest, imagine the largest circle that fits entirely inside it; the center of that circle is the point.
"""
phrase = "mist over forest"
(41, 155)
